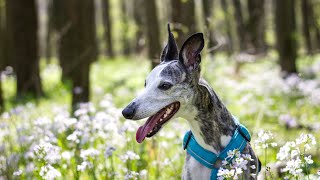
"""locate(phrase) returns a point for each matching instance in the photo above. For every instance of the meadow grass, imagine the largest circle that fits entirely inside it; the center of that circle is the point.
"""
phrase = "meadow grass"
(41, 139)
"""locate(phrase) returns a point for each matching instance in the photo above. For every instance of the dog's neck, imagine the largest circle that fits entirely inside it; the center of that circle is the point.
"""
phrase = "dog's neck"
(211, 124)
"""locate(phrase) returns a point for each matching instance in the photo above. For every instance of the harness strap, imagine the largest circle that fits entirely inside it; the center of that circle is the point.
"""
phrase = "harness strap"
(207, 158)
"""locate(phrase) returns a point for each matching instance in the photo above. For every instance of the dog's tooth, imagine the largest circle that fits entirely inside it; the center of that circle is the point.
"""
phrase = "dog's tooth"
(164, 116)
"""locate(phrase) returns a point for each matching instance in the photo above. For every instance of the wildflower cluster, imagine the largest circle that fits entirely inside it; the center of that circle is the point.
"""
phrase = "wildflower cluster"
(234, 165)
(264, 140)
(293, 154)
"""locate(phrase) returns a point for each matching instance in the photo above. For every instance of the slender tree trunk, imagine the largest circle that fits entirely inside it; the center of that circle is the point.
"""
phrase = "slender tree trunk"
(48, 51)
(75, 22)
(256, 25)
(139, 20)
(1, 98)
(23, 24)
(241, 28)
(126, 45)
(64, 26)
(305, 8)
(2, 50)
(224, 5)
(286, 35)
(314, 26)
(317, 32)
(107, 27)
(207, 12)
(183, 19)
(152, 28)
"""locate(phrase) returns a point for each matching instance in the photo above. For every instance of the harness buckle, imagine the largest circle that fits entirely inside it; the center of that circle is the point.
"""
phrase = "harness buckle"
(186, 144)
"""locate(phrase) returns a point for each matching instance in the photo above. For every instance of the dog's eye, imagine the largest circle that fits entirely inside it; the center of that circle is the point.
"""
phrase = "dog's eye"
(145, 83)
(165, 86)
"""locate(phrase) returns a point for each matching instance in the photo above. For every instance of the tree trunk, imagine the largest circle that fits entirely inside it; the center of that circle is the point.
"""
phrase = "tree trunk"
(22, 21)
(313, 26)
(50, 30)
(77, 44)
(305, 8)
(138, 18)
(207, 12)
(224, 5)
(126, 45)
(152, 28)
(256, 26)
(107, 27)
(241, 28)
(286, 35)
(2, 50)
(183, 18)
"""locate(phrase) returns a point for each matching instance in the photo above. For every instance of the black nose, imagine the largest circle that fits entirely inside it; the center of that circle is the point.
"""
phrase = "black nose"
(129, 111)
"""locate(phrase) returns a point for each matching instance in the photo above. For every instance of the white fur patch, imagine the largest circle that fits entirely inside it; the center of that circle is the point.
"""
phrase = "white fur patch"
(195, 170)
(225, 140)
(195, 128)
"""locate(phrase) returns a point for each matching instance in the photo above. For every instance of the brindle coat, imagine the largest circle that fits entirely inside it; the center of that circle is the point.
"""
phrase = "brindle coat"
(210, 121)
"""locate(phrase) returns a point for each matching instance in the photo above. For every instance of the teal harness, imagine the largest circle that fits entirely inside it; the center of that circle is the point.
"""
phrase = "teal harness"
(207, 158)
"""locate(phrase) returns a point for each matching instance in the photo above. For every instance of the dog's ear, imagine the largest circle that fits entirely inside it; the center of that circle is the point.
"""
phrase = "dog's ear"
(189, 54)
(170, 51)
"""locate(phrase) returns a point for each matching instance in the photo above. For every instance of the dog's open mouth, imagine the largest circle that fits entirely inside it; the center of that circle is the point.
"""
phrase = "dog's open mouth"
(155, 122)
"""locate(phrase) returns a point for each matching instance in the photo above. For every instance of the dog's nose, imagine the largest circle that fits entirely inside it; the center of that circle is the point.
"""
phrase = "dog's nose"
(129, 111)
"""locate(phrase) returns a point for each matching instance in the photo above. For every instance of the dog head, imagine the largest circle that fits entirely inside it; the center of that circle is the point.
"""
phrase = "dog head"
(169, 88)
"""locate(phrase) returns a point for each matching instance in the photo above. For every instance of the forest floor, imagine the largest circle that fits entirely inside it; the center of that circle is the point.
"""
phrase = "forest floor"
(40, 139)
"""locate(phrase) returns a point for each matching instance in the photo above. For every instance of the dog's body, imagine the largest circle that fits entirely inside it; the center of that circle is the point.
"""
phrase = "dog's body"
(174, 89)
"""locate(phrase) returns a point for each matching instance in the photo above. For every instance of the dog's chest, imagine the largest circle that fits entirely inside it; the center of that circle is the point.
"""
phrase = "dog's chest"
(193, 170)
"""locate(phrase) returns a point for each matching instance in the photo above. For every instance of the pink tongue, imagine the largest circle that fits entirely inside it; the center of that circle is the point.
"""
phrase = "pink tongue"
(147, 127)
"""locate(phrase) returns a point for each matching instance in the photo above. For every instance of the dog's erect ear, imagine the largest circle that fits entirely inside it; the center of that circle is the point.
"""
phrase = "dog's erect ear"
(170, 52)
(189, 54)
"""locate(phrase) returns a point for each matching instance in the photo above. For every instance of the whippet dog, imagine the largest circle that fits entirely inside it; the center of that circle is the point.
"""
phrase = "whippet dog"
(174, 88)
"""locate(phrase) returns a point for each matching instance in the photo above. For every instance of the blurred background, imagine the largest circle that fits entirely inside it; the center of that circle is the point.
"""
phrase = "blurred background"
(83, 60)
(75, 34)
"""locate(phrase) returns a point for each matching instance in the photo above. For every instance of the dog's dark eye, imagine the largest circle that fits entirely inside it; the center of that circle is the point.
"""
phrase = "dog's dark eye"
(165, 86)
(145, 83)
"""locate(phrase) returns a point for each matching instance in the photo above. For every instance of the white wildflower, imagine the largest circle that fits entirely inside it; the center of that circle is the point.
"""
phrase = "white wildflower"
(49, 173)
(225, 173)
(66, 155)
(247, 157)
(129, 155)
(17, 173)
(306, 139)
(109, 151)
(47, 152)
(293, 167)
(131, 175)
(294, 153)
(143, 173)
(231, 154)
(84, 165)
(308, 159)
(89, 153)
(264, 140)
(75, 136)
